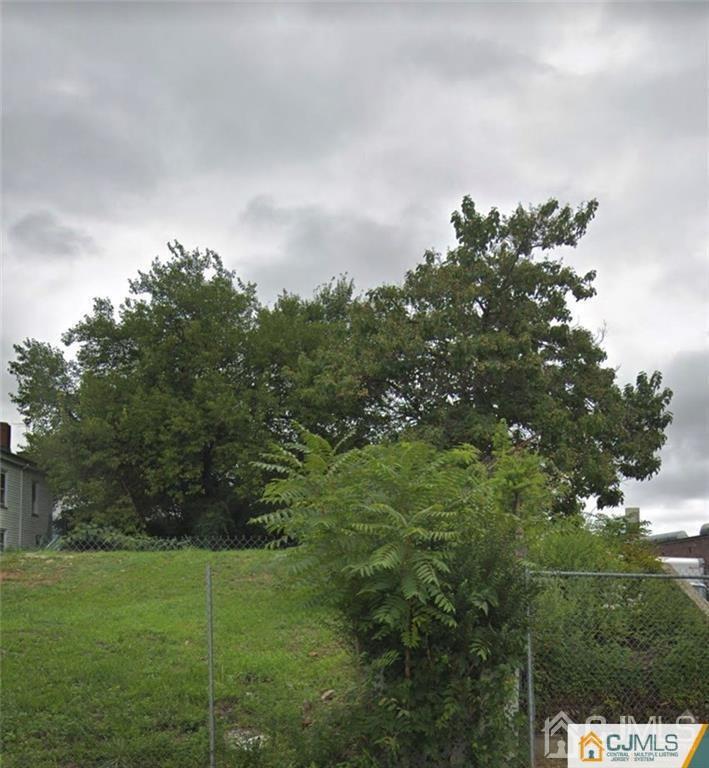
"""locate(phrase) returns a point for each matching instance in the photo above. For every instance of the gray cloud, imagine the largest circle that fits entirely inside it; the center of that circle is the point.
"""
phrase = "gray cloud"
(41, 235)
(170, 93)
(315, 245)
(688, 376)
(685, 473)
(302, 141)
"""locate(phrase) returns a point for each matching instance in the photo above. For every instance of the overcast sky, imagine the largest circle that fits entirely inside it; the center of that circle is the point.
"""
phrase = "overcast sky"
(302, 141)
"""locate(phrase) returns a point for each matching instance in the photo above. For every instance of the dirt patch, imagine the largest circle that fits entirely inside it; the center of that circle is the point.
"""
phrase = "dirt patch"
(30, 579)
(11, 576)
(224, 708)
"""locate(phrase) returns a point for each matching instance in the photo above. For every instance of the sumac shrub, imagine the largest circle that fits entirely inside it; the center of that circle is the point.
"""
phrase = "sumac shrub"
(420, 554)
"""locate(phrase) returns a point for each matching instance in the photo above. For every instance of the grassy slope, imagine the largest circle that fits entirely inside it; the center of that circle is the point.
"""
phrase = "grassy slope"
(103, 657)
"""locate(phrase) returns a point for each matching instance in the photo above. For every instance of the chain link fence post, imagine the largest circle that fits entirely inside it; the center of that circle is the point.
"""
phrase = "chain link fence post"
(210, 663)
(530, 671)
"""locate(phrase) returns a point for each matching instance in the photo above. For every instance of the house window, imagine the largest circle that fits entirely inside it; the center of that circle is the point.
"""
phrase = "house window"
(35, 511)
(2, 536)
(3, 489)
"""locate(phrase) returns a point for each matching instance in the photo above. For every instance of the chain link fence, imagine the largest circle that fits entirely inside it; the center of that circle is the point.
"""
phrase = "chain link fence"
(102, 541)
(615, 648)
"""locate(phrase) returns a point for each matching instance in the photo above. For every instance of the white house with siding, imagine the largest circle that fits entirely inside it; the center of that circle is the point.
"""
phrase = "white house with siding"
(25, 499)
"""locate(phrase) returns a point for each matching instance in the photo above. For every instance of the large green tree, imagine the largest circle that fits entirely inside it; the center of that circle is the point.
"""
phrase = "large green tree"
(156, 420)
(486, 333)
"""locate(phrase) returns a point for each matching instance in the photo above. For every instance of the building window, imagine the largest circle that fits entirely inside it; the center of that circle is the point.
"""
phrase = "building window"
(2, 536)
(35, 512)
(3, 489)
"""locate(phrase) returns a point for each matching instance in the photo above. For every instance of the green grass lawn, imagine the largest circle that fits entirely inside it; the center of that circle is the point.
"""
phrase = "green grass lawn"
(104, 659)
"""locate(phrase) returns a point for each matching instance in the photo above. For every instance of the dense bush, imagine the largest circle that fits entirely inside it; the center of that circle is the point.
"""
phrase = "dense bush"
(90, 536)
(619, 647)
(613, 646)
(419, 552)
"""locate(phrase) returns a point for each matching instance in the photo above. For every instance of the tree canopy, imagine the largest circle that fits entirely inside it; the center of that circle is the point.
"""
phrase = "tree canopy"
(156, 417)
(485, 333)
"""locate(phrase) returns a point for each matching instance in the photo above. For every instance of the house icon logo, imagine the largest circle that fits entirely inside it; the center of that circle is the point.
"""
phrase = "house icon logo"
(591, 748)
(555, 733)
